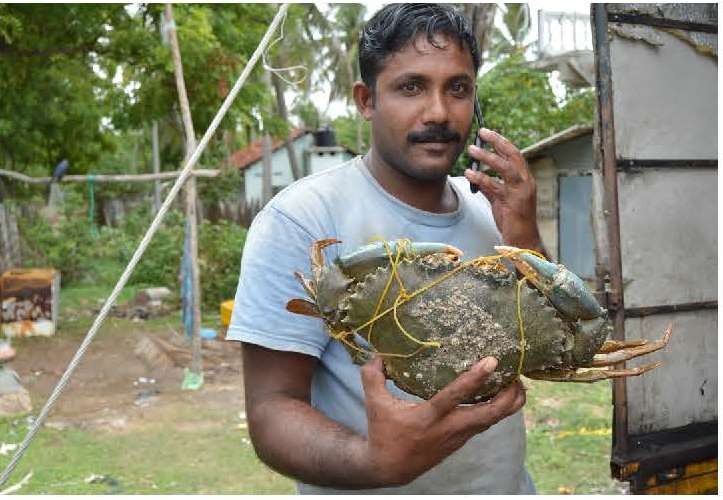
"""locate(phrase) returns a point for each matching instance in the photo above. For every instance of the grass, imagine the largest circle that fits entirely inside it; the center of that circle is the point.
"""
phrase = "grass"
(157, 460)
(569, 437)
(79, 305)
(568, 430)
(567, 452)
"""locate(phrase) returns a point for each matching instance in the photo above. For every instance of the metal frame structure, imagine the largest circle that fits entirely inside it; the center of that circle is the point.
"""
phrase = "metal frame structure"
(680, 460)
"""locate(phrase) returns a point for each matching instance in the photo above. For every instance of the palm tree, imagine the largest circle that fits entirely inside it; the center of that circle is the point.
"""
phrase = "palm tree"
(517, 22)
(296, 50)
(340, 51)
(482, 18)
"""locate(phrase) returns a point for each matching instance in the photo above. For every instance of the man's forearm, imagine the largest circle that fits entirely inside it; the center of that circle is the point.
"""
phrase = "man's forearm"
(299, 441)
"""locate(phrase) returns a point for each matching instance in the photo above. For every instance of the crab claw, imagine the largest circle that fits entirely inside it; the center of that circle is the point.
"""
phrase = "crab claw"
(562, 287)
(317, 257)
(377, 254)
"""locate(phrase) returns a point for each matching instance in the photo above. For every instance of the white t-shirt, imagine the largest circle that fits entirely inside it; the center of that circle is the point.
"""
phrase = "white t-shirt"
(347, 203)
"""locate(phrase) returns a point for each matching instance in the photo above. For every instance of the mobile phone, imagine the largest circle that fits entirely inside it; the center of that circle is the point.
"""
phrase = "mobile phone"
(474, 165)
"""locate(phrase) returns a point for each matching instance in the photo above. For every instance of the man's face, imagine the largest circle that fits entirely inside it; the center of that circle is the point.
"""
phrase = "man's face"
(422, 107)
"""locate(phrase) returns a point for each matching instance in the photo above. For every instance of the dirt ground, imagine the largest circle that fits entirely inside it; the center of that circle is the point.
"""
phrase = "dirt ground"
(114, 389)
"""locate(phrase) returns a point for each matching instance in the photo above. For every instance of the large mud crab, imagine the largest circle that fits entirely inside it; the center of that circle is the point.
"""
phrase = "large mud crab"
(432, 316)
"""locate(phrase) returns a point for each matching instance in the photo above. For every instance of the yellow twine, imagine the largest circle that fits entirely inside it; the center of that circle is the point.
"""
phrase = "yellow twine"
(394, 263)
(404, 296)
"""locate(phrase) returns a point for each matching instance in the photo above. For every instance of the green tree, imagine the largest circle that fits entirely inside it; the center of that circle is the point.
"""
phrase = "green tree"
(481, 16)
(54, 92)
(215, 42)
(340, 68)
(295, 57)
(347, 129)
(75, 78)
(518, 102)
(516, 28)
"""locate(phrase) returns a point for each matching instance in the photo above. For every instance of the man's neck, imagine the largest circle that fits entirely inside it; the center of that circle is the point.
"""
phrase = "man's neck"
(436, 196)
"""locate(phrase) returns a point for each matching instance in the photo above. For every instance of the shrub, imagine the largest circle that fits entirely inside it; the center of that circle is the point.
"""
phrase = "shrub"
(220, 249)
(82, 258)
(67, 246)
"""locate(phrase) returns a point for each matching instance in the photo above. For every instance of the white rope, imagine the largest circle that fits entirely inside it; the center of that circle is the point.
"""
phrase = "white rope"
(185, 173)
(16, 487)
(288, 69)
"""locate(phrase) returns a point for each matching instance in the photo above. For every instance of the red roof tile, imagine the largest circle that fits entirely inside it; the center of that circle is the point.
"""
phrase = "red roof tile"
(244, 158)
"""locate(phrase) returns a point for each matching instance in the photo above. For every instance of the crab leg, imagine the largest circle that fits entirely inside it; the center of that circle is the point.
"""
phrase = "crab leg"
(308, 285)
(591, 375)
(317, 257)
(605, 359)
(616, 345)
(369, 257)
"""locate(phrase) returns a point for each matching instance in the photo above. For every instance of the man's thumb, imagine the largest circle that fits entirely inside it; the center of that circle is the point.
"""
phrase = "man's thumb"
(372, 375)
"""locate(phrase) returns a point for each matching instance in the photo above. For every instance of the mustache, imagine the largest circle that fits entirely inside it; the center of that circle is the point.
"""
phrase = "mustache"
(434, 134)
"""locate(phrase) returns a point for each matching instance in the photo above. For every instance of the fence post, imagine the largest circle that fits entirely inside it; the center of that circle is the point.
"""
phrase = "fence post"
(196, 361)
(156, 169)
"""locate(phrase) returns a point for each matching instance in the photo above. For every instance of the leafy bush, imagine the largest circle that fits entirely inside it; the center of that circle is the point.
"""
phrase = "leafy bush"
(83, 258)
(160, 263)
(220, 248)
(219, 255)
(67, 246)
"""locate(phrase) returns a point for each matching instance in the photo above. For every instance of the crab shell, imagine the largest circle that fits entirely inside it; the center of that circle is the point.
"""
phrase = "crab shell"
(475, 312)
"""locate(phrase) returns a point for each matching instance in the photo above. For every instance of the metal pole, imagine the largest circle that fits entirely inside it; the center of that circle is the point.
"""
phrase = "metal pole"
(615, 303)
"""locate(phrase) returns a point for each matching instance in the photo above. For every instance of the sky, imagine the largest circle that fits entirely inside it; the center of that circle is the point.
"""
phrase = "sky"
(336, 109)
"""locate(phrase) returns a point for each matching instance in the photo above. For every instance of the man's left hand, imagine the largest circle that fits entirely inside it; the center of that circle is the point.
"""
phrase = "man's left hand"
(513, 195)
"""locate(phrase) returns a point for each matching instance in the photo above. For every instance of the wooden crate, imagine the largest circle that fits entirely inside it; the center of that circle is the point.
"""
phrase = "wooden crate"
(30, 301)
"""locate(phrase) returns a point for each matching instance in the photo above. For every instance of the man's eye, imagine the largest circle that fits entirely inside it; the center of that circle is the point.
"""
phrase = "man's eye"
(460, 88)
(410, 87)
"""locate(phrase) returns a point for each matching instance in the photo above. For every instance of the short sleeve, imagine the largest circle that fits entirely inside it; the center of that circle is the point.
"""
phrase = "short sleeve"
(276, 247)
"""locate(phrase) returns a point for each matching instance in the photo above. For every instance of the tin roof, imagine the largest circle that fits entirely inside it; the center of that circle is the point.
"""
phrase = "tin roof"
(540, 147)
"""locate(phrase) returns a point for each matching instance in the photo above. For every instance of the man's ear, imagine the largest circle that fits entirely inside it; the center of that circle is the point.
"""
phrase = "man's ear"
(364, 99)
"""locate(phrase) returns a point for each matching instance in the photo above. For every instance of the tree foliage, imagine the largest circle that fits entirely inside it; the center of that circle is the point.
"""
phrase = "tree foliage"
(347, 129)
(86, 82)
(519, 103)
(510, 38)
(83, 258)
(52, 99)
(75, 78)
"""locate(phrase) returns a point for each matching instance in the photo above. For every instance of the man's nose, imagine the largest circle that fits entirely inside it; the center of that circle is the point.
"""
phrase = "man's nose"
(435, 110)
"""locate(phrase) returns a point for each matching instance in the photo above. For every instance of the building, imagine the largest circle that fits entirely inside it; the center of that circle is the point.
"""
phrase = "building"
(315, 151)
(562, 165)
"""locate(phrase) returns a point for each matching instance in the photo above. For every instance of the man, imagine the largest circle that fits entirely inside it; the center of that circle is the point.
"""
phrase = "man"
(313, 414)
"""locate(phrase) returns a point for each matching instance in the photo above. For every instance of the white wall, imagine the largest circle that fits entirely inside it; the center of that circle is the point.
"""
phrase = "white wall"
(321, 162)
(280, 170)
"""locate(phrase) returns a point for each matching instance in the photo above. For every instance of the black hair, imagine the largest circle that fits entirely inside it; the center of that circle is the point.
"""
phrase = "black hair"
(395, 25)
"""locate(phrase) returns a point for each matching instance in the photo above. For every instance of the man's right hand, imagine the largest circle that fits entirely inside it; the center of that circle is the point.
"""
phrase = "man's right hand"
(405, 439)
